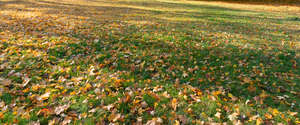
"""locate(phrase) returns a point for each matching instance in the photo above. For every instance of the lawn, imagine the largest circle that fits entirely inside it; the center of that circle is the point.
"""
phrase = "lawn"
(148, 62)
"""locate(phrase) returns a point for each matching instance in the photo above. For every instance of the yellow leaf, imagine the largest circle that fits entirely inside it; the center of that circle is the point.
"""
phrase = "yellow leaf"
(87, 86)
(292, 113)
(263, 95)
(35, 88)
(234, 66)
(275, 112)
(26, 90)
(1, 115)
(73, 93)
(268, 116)
(174, 103)
(258, 121)
(261, 65)
(216, 93)
(177, 122)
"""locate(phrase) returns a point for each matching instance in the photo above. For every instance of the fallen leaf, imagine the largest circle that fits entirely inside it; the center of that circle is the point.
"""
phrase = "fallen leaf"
(218, 115)
(174, 104)
(60, 109)
(44, 96)
(114, 117)
(258, 121)
(5, 82)
(268, 116)
(233, 116)
(26, 81)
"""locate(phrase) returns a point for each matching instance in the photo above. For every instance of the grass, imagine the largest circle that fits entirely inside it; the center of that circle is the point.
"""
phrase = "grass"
(154, 61)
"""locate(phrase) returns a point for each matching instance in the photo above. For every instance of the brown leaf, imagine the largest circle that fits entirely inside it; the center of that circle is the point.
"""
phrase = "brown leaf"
(44, 96)
(60, 109)
(247, 80)
(5, 82)
(114, 117)
(218, 115)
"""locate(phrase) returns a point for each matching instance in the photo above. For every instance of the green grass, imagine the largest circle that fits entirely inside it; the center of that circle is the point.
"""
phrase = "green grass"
(220, 64)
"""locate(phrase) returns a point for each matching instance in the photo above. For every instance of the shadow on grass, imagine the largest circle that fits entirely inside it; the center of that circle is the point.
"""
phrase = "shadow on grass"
(259, 2)
(217, 19)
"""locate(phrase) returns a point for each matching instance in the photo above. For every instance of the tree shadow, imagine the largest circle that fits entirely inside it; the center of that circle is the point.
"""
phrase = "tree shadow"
(219, 18)
(259, 2)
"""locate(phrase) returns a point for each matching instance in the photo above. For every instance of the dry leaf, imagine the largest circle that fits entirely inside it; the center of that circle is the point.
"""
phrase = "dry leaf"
(218, 115)
(259, 121)
(26, 81)
(268, 116)
(5, 82)
(174, 103)
(114, 117)
(60, 109)
(233, 116)
(185, 74)
(66, 121)
(44, 96)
